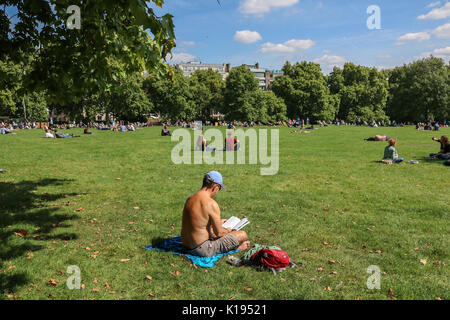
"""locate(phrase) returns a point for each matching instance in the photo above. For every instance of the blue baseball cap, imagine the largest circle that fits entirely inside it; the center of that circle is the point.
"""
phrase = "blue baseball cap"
(216, 177)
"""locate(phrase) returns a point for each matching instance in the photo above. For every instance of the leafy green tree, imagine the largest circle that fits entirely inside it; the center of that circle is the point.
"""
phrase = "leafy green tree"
(362, 92)
(129, 101)
(303, 88)
(171, 98)
(207, 89)
(420, 91)
(72, 63)
(239, 82)
(12, 93)
(260, 106)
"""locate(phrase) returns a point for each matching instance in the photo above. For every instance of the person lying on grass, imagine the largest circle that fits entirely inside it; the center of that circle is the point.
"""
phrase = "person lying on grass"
(48, 134)
(301, 131)
(378, 138)
(390, 153)
(202, 233)
(444, 153)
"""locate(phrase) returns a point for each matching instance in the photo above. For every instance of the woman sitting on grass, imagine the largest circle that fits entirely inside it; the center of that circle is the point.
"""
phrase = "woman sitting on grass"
(390, 153)
(201, 144)
(444, 153)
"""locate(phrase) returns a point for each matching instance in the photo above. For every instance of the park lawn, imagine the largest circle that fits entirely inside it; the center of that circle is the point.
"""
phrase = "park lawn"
(331, 206)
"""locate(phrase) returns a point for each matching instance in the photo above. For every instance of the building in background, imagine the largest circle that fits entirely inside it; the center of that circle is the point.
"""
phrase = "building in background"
(259, 74)
(271, 75)
(190, 67)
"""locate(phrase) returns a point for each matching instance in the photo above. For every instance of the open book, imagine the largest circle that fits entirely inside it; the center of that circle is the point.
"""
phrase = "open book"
(236, 223)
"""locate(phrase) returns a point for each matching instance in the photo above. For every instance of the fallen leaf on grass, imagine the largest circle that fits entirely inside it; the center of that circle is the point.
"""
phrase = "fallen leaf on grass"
(320, 269)
(149, 277)
(390, 293)
(96, 290)
(325, 243)
(151, 295)
(21, 233)
(331, 261)
(107, 285)
(423, 261)
(176, 273)
(124, 260)
(53, 282)
(30, 255)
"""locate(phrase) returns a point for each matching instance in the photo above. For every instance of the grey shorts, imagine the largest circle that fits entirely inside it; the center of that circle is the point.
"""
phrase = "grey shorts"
(210, 248)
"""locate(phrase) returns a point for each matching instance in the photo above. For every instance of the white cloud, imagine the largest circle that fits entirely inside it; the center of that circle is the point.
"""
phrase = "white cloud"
(443, 53)
(434, 4)
(330, 60)
(413, 37)
(289, 46)
(438, 13)
(442, 31)
(247, 36)
(181, 58)
(259, 7)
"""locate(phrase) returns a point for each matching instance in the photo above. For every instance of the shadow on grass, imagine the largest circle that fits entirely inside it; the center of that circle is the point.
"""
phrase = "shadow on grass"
(21, 205)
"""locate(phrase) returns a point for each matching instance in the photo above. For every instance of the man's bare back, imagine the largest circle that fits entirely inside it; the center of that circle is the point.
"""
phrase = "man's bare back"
(196, 219)
(202, 222)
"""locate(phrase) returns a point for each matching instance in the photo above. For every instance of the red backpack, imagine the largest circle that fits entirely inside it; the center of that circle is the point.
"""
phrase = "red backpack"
(273, 259)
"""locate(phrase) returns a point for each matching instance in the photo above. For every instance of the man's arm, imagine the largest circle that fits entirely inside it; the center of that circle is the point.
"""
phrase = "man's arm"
(216, 223)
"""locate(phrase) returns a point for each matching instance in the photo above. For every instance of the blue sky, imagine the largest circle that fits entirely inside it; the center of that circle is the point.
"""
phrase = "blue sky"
(329, 32)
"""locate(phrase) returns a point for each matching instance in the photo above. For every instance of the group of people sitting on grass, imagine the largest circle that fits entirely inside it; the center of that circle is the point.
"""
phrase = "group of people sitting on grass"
(231, 144)
(391, 154)
(429, 126)
(5, 130)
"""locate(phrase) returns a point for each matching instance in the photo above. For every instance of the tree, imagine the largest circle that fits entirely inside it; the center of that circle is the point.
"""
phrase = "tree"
(239, 83)
(207, 88)
(362, 92)
(171, 98)
(303, 88)
(72, 63)
(259, 106)
(129, 101)
(420, 91)
(13, 94)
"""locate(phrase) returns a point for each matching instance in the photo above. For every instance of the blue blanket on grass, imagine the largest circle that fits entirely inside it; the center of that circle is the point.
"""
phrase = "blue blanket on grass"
(174, 245)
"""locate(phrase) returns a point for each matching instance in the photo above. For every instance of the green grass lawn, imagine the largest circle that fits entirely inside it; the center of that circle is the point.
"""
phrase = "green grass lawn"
(331, 206)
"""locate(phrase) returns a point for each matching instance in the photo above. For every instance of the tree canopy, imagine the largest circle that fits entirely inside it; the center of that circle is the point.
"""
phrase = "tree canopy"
(71, 63)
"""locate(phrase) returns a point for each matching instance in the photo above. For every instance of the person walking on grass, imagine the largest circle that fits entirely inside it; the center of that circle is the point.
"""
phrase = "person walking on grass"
(390, 153)
(202, 233)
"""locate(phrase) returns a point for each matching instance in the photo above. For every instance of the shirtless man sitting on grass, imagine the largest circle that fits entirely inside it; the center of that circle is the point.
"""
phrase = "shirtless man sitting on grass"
(202, 233)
